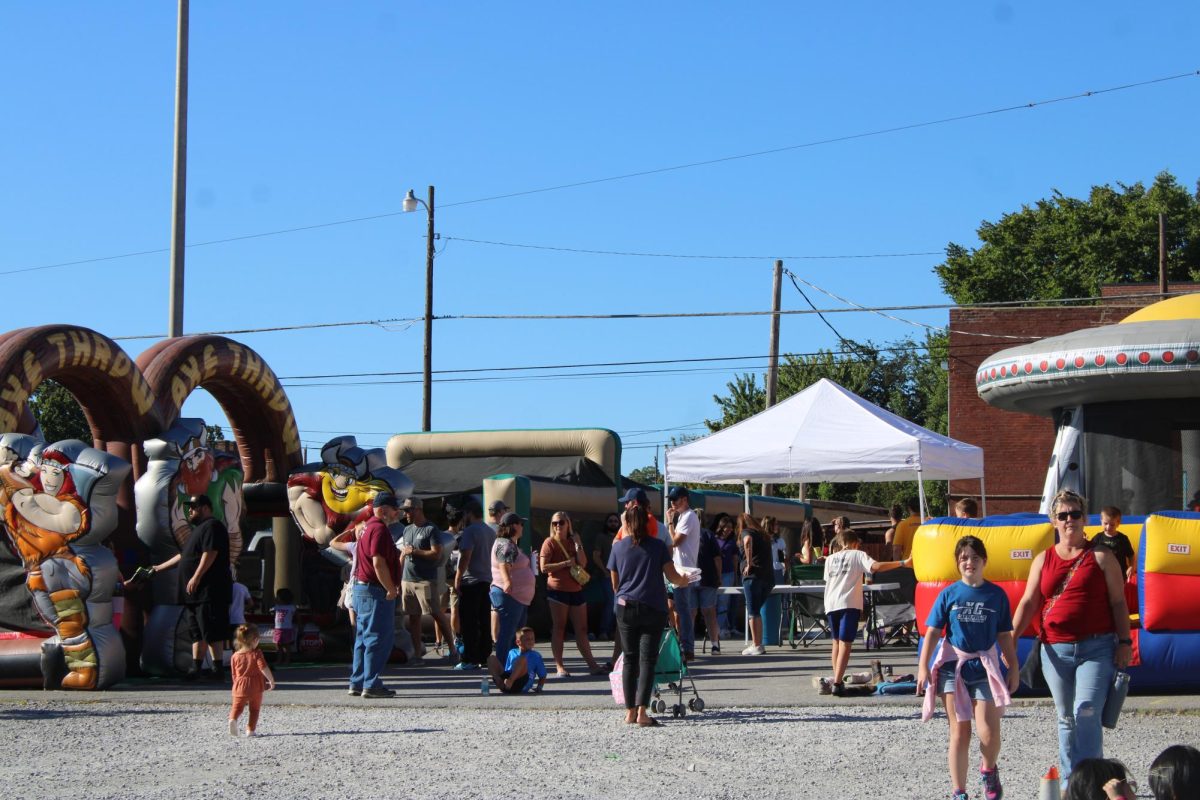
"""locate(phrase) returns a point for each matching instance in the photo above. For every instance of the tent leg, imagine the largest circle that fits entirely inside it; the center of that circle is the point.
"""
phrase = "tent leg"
(666, 482)
(982, 498)
(746, 496)
(921, 496)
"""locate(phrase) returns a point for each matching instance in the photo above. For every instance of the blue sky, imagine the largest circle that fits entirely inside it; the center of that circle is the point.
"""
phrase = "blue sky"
(306, 113)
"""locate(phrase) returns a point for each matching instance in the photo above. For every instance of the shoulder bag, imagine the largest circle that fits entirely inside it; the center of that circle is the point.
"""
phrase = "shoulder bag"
(580, 574)
(1033, 662)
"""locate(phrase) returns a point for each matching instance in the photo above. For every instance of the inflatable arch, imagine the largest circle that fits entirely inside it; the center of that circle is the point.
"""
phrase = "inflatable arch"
(128, 404)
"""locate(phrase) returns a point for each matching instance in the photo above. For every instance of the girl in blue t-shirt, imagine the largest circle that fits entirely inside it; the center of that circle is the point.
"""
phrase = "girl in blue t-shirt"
(976, 616)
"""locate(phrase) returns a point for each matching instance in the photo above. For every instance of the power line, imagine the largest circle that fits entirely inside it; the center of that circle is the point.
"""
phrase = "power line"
(642, 173)
(831, 140)
(695, 257)
(407, 322)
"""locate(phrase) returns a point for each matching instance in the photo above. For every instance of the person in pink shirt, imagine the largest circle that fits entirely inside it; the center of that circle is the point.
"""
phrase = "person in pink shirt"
(512, 582)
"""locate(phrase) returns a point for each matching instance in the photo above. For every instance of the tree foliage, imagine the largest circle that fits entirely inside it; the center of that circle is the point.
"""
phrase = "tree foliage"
(1065, 247)
(58, 413)
(905, 377)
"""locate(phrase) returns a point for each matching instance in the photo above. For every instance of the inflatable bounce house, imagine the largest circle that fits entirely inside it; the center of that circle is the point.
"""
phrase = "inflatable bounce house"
(74, 534)
(1124, 400)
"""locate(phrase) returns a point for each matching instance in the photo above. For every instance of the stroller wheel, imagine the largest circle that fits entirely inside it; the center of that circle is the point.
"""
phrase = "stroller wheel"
(696, 704)
(658, 706)
(682, 710)
(671, 687)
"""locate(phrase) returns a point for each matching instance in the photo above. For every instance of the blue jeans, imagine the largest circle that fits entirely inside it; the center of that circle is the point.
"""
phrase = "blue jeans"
(374, 634)
(685, 608)
(726, 609)
(512, 616)
(1078, 675)
(756, 590)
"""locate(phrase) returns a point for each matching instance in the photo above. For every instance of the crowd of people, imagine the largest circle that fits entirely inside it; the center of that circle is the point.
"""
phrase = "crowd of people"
(657, 575)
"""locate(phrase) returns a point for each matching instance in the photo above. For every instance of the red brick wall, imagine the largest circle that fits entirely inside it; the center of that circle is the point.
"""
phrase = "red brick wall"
(1016, 447)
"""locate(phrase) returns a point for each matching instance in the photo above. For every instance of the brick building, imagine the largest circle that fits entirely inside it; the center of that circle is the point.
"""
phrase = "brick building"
(1017, 446)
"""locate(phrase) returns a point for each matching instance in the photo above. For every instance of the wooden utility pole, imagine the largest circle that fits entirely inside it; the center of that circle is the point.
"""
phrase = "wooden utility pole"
(427, 381)
(179, 216)
(1162, 254)
(773, 364)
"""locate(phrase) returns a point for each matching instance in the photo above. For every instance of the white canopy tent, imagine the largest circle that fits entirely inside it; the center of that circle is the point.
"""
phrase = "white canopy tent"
(824, 433)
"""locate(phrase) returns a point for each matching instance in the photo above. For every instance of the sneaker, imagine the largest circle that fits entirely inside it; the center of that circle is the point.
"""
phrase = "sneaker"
(459, 647)
(839, 689)
(250, 733)
(377, 692)
(354, 691)
(715, 649)
(233, 727)
(960, 795)
(760, 650)
(464, 666)
(992, 789)
(750, 651)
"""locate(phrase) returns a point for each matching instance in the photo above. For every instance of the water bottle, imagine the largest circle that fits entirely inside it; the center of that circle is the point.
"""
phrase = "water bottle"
(1115, 700)
(485, 686)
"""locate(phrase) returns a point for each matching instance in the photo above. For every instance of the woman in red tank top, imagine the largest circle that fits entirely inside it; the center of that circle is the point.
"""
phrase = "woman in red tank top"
(1077, 593)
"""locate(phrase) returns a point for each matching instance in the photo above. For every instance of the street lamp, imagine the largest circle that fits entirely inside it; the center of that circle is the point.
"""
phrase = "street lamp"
(411, 201)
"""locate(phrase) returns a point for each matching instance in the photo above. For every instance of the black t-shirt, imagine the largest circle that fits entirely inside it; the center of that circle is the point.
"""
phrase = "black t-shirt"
(1120, 546)
(706, 559)
(763, 566)
(216, 585)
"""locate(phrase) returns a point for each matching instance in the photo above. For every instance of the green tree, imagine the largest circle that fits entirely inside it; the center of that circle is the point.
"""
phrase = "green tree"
(214, 434)
(646, 475)
(58, 413)
(1065, 247)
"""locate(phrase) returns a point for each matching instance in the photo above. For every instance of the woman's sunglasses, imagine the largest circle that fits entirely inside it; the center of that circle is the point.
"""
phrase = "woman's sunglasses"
(558, 522)
(1063, 516)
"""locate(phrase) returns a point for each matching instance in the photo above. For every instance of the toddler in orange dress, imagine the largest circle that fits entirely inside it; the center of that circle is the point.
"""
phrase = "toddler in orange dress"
(250, 672)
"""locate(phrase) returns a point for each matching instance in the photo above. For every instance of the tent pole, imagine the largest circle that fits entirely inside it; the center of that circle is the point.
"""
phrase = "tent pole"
(746, 496)
(982, 497)
(666, 480)
(921, 496)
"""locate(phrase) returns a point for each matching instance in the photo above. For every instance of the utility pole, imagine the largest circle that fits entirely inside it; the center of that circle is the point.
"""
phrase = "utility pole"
(773, 362)
(1162, 254)
(179, 205)
(426, 410)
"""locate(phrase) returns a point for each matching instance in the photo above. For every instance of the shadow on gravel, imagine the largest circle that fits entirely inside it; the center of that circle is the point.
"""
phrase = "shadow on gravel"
(92, 711)
(351, 733)
(739, 717)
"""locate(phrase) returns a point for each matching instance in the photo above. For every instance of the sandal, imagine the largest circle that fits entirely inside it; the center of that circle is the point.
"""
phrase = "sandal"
(598, 670)
(562, 674)
(650, 723)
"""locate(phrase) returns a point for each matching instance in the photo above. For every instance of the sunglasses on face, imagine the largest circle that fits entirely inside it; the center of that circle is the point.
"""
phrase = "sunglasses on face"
(1063, 516)
(558, 522)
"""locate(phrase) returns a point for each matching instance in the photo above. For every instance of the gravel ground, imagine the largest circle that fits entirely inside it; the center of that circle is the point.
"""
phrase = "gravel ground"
(132, 749)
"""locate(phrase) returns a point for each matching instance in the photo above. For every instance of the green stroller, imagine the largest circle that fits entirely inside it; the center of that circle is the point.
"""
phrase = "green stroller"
(671, 670)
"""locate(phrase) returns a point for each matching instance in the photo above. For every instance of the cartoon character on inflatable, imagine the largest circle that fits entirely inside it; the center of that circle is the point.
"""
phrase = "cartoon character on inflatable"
(329, 497)
(59, 504)
(180, 463)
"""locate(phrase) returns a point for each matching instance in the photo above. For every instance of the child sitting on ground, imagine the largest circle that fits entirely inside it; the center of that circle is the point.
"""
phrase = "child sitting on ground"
(285, 626)
(524, 670)
(249, 670)
(976, 616)
(844, 572)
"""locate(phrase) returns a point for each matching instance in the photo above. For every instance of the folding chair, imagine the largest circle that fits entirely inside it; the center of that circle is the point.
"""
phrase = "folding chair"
(807, 620)
(893, 614)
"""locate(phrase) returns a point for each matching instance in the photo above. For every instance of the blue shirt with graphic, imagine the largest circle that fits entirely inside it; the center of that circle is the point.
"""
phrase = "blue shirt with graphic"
(535, 667)
(973, 616)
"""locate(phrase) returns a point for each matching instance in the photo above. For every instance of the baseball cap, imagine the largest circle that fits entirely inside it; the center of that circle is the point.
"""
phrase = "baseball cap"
(510, 518)
(678, 493)
(199, 500)
(384, 499)
(497, 505)
(635, 494)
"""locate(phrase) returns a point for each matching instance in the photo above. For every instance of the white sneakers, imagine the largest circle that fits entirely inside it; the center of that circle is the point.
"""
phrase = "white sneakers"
(754, 650)
(233, 727)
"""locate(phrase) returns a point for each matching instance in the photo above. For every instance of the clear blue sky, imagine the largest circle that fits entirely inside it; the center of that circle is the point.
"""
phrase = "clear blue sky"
(305, 113)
